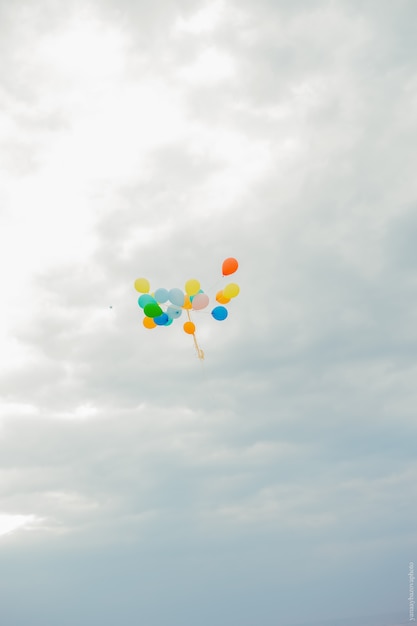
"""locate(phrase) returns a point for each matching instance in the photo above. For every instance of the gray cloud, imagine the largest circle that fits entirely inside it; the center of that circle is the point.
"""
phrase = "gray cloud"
(274, 482)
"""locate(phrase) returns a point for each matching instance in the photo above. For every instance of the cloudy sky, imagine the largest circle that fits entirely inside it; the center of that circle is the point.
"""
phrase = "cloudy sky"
(275, 483)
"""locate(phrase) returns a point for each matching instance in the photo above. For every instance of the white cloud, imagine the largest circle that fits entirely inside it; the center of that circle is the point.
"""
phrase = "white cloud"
(10, 523)
(210, 67)
(156, 142)
(204, 20)
(85, 51)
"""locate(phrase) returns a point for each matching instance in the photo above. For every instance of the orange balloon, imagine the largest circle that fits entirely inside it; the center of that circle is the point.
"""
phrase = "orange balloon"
(187, 302)
(229, 266)
(148, 322)
(221, 298)
(189, 328)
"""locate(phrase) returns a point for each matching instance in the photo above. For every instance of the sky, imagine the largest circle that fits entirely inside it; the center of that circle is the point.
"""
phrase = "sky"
(274, 483)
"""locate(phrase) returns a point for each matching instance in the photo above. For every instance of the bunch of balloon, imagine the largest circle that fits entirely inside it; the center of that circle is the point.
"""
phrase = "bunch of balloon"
(163, 306)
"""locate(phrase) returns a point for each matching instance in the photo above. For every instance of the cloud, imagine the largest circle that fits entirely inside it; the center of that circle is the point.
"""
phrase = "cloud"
(157, 141)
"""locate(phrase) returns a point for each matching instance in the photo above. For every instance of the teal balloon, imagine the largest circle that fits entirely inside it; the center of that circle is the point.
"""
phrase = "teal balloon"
(161, 295)
(145, 299)
(176, 296)
(174, 311)
(219, 313)
(152, 309)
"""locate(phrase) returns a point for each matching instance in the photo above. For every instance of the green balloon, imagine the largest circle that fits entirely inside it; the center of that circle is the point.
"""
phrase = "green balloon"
(152, 309)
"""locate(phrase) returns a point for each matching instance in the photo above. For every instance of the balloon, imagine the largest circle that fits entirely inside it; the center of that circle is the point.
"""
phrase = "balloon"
(221, 298)
(187, 302)
(148, 322)
(152, 309)
(196, 294)
(161, 295)
(231, 290)
(161, 320)
(192, 286)
(219, 313)
(144, 299)
(142, 285)
(176, 296)
(200, 301)
(189, 328)
(229, 266)
(174, 311)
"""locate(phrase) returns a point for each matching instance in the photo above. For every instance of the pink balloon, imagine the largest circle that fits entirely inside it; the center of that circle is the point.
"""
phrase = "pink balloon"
(200, 301)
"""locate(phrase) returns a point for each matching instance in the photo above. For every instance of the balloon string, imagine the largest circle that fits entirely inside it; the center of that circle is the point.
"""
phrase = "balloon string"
(216, 284)
(200, 352)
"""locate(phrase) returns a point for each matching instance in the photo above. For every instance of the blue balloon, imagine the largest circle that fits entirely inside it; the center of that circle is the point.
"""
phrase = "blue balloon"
(219, 313)
(161, 320)
(145, 299)
(176, 296)
(161, 295)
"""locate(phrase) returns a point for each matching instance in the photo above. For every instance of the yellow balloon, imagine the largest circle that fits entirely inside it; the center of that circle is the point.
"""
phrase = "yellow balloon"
(231, 290)
(148, 322)
(192, 286)
(142, 285)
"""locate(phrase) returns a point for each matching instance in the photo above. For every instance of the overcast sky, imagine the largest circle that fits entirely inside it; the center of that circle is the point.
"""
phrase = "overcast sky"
(275, 483)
